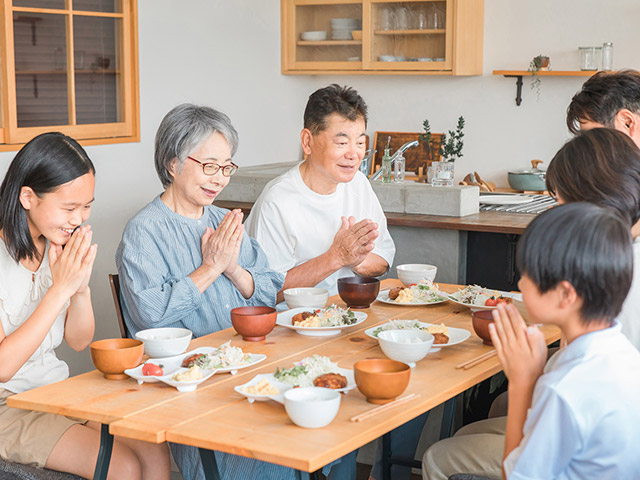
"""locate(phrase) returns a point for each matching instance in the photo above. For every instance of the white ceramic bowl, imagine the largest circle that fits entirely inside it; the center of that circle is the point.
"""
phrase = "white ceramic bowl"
(414, 272)
(407, 346)
(306, 297)
(312, 407)
(314, 36)
(164, 342)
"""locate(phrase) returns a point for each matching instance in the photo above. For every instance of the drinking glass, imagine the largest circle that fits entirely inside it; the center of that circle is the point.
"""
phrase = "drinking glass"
(442, 174)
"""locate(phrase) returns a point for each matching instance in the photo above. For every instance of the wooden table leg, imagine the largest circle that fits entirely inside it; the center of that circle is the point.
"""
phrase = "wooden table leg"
(209, 464)
(104, 453)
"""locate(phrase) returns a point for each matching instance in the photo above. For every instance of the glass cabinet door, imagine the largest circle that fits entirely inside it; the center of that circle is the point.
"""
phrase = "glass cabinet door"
(409, 35)
(327, 36)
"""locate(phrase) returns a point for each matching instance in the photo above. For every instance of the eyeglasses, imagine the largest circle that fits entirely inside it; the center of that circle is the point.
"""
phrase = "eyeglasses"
(213, 168)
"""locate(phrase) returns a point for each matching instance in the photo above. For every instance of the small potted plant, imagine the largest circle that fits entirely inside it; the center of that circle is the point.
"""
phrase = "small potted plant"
(448, 150)
(539, 62)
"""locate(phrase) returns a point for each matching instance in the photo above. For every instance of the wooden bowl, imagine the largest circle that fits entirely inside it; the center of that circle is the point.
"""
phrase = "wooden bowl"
(112, 356)
(253, 323)
(481, 320)
(358, 292)
(381, 380)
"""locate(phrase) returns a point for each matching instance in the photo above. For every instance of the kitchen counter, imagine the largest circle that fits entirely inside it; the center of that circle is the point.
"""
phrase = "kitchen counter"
(493, 222)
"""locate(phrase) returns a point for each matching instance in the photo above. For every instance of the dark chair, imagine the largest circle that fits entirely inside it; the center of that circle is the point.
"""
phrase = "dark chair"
(114, 281)
(17, 471)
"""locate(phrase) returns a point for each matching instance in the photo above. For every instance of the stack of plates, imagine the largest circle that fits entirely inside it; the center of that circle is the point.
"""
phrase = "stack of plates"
(341, 28)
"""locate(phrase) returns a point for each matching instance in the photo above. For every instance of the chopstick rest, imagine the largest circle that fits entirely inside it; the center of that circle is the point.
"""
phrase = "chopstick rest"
(383, 408)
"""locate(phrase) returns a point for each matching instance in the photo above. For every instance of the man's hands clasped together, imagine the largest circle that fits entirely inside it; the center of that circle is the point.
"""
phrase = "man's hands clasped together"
(353, 242)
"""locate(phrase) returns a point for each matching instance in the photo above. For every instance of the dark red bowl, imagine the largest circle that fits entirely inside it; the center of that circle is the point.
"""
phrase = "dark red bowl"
(253, 323)
(358, 292)
(481, 320)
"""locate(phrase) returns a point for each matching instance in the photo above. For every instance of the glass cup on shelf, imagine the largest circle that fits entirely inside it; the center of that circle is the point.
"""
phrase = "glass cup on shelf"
(442, 175)
(589, 57)
(386, 20)
(421, 19)
(402, 18)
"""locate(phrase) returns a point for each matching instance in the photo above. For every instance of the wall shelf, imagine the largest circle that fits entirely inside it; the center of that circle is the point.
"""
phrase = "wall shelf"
(518, 74)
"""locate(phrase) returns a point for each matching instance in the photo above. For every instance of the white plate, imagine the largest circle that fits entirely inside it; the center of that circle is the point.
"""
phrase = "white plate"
(383, 297)
(284, 320)
(505, 199)
(171, 365)
(456, 335)
(475, 308)
(283, 387)
(186, 386)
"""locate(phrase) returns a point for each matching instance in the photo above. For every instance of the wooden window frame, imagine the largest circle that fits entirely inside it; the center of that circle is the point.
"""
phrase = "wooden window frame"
(13, 137)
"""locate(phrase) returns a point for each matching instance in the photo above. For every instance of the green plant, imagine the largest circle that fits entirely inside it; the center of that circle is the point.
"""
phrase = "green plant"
(450, 147)
(535, 65)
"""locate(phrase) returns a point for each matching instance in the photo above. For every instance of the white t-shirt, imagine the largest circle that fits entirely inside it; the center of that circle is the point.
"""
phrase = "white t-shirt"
(294, 224)
(20, 293)
(629, 316)
(584, 422)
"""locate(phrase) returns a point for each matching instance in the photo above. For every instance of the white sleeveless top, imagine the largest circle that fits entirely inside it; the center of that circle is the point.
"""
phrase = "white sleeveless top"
(20, 293)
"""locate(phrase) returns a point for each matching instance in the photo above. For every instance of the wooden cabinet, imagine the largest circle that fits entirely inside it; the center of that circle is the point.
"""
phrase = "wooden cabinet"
(70, 67)
(433, 37)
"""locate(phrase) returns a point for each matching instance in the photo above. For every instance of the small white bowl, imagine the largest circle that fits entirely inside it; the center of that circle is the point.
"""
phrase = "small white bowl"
(414, 272)
(407, 346)
(164, 342)
(306, 297)
(312, 407)
(314, 36)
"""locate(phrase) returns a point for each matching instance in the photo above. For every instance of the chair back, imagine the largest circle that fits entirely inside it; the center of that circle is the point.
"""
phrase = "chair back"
(114, 281)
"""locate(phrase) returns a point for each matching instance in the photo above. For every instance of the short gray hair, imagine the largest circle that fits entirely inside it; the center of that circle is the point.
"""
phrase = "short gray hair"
(183, 129)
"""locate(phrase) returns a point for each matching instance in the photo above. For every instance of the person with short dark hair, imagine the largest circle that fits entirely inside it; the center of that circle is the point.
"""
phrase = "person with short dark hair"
(600, 166)
(45, 197)
(321, 220)
(608, 99)
(576, 416)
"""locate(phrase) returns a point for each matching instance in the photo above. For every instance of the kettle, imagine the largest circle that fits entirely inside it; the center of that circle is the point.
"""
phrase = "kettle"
(529, 179)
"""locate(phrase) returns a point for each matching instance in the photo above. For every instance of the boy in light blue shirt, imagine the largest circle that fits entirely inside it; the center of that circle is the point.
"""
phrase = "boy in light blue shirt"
(578, 416)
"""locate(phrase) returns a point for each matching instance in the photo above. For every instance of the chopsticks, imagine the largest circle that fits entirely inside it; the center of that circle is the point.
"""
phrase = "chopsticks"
(384, 408)
(472, 363)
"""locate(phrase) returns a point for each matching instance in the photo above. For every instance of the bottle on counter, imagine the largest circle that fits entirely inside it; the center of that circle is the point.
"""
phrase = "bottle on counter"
(386, 166)
(399, 169)
(607, 56)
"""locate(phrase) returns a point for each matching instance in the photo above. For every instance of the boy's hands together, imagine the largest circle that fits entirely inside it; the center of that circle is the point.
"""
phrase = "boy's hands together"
(522, 350)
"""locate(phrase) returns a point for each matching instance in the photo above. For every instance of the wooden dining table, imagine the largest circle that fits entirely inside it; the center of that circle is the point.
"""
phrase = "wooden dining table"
(215, 417)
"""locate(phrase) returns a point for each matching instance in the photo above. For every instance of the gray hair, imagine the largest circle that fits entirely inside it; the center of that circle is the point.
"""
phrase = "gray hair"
(183, 129)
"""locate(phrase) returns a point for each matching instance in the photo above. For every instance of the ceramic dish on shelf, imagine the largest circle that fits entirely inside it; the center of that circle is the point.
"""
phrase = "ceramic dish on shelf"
(515, 296)
(314, 36)
(507, 199)
(284, 320)
(171, 365)
(383, 297)
(456, 335)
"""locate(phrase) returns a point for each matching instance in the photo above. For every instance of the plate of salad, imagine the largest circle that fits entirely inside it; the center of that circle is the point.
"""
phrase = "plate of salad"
(479, 298)
(320, 321)
(423, 293)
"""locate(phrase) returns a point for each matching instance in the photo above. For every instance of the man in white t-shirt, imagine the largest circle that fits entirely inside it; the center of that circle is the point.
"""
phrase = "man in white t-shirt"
(321, 220)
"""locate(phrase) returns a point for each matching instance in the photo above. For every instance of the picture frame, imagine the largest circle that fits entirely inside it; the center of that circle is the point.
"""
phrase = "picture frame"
(415, 157)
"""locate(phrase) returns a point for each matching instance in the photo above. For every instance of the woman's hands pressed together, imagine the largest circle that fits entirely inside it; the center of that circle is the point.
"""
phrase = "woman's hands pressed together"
(522, 350)
(72, 265)
(221, 247)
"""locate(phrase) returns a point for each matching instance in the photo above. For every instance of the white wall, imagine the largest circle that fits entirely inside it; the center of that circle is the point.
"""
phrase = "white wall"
(227, 54)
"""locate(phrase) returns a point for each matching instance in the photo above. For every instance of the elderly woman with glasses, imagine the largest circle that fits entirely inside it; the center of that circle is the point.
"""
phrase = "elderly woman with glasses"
(182, 261)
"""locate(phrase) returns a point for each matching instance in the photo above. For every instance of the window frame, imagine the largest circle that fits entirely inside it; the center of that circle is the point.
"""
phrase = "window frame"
(13, 137)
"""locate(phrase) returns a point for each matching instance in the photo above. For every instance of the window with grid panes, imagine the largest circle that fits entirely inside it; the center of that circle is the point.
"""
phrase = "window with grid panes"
(69, 66)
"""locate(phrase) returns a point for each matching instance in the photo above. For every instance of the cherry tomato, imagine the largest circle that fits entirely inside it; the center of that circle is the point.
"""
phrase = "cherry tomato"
(491, 302)
(151, 369)
(501, 300)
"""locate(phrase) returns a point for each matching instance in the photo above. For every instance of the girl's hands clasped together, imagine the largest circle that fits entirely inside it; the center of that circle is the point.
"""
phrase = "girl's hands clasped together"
(72, 265)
